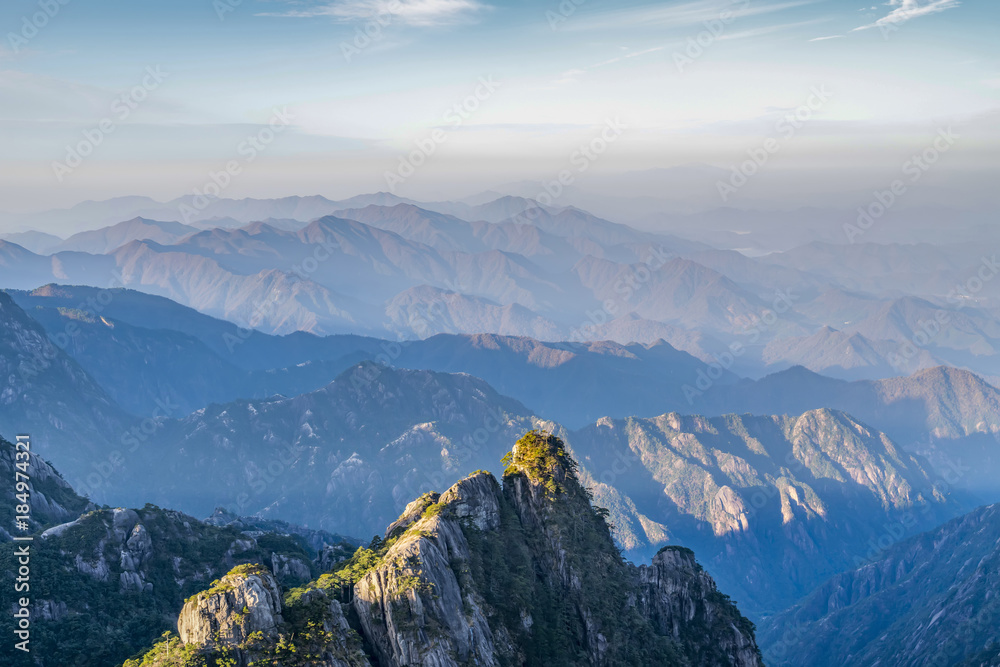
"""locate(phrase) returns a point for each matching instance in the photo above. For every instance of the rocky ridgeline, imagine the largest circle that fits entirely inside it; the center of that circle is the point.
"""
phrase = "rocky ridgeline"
(108, 583)
(52, 500)
(245, 601)
(520, 574)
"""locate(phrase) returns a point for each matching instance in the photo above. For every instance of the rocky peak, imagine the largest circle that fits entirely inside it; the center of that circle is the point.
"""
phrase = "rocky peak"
(245, 601)
(541, 458)
(415, 606)
(475, 499)
(53, 501)
(484, 575)
(411, 514)
(677, 595)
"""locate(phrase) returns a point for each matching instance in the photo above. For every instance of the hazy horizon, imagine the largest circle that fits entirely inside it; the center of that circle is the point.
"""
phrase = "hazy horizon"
(847, 93)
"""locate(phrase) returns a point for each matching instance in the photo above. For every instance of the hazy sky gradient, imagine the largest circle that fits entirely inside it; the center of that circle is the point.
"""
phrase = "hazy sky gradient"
(897, 73)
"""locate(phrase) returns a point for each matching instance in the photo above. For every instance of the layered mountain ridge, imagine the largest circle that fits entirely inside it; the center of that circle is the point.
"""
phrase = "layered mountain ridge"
(931, 599)
(384, 265)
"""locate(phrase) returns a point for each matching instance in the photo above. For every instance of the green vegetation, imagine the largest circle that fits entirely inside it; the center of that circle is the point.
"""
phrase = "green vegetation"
(513, 571)
(542, 457)
(226, 583)
(550, 578)
(338, 584)
(677, 548)
(104, 625)
(433, 510)
(76, 314)
(170, 652)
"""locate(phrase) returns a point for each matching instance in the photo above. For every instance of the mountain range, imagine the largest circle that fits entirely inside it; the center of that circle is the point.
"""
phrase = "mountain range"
(930, 599)
(390, 267)
(377, 435)
(809, 421)
(520, 573)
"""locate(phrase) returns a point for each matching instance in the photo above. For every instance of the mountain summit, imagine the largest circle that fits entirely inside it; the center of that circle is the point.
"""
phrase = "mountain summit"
(520, 574)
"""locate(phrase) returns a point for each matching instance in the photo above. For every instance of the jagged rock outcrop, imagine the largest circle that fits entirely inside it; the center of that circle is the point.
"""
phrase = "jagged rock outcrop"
(412, 607)
(342, 648)
(489, 575)
(52, 500)
(678, 596)
(109, 583)
(245, 601)
(799, 498)
(120, 537)
(412, 513)
(520, 574)
(288, 567)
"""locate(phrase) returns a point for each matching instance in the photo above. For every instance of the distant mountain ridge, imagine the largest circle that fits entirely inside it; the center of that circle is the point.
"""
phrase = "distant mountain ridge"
(109, 239)
(377, 434)
(949, 415)
(513, 266)
(48, 395)
(930, 599)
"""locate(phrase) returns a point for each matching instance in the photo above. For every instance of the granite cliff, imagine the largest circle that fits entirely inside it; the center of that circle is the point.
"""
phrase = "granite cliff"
(522, 572)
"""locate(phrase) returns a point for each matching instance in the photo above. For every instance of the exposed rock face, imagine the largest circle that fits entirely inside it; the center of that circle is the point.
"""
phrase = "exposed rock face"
(289, 568)
(412, 513)
(342, 649)
(413, 608)
(523, 574)
(52, 500)
(125, 538)
(244, 601)
(425, 603)
(799, 498)
(678, 595)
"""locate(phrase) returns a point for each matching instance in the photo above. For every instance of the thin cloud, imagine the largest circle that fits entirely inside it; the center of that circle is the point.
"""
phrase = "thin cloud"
(768, 29)
(820, 39)
(906, 10)
(570, 76)
(410, 12)
(677, 16)
(574, 75)
(634, 54)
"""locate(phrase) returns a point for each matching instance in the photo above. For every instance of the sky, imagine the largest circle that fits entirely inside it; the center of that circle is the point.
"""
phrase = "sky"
(444, 98)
